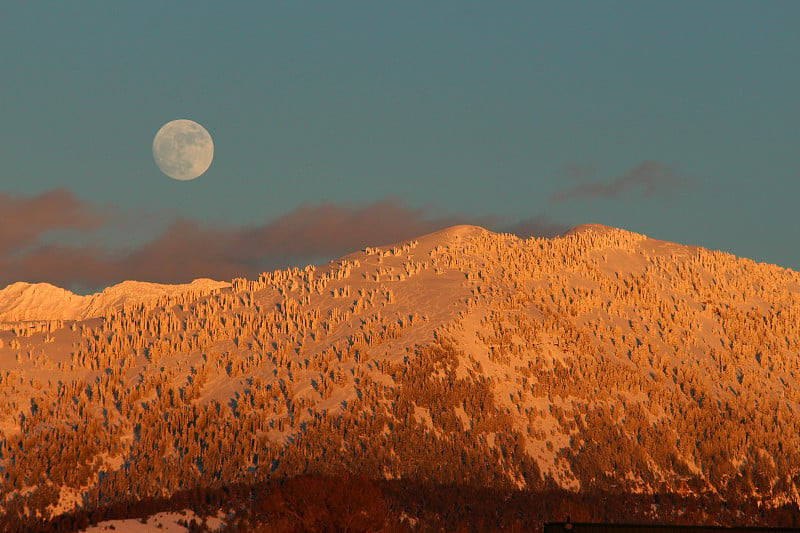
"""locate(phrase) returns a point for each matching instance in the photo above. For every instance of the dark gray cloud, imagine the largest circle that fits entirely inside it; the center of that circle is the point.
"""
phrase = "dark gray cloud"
(649, 178)
(187, 249)
(536, 226)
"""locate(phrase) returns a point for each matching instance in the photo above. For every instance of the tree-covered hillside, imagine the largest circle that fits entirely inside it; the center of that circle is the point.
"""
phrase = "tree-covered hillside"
(597, 361)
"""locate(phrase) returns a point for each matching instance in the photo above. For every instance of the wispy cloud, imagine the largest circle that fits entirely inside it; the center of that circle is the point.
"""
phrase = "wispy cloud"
(188, 249)
(649, 178)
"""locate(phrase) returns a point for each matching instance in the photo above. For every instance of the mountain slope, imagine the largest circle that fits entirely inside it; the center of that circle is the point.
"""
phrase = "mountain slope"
(600, 360)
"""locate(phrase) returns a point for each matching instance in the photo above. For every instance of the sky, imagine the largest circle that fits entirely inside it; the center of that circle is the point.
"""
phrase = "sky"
(338, 125)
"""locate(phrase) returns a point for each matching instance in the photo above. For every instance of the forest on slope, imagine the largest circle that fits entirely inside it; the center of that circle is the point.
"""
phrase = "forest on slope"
(598, 361)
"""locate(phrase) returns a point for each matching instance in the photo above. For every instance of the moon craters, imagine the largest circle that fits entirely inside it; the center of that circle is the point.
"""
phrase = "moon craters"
(183, 149)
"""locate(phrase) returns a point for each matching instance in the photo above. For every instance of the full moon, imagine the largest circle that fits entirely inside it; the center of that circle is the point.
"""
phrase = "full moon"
(183, 149)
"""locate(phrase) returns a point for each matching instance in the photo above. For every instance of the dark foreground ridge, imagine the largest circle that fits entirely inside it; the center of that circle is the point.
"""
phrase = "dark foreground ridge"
(569, 527)
(357, 503)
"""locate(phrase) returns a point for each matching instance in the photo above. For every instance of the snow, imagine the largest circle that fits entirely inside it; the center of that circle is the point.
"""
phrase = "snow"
(42, 301)
(453, 283)
(161, 522)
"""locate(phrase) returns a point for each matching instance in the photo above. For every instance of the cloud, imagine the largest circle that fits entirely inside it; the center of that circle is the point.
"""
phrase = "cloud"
(187, 249)
(651, 177)
(536, 226)
(26, 220)
(307, 234)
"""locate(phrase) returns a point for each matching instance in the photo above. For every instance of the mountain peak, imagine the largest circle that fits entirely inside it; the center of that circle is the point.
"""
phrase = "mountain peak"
(30, 301)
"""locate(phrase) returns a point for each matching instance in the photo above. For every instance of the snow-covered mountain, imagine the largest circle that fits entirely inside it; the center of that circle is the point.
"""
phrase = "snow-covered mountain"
(23, 301)
(599, 360)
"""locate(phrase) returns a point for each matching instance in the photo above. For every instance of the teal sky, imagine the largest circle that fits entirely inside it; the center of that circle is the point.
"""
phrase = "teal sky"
(680, 120)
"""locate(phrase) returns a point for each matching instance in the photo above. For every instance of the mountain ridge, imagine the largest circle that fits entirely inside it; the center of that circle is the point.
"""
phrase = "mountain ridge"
(22, 301)
(599, 360)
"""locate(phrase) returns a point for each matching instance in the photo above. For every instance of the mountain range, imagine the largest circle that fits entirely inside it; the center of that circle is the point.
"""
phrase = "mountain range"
(599, 360)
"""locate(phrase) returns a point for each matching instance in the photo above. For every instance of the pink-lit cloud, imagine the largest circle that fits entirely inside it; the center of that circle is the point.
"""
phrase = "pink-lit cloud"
(187, 249)
(24, 220)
